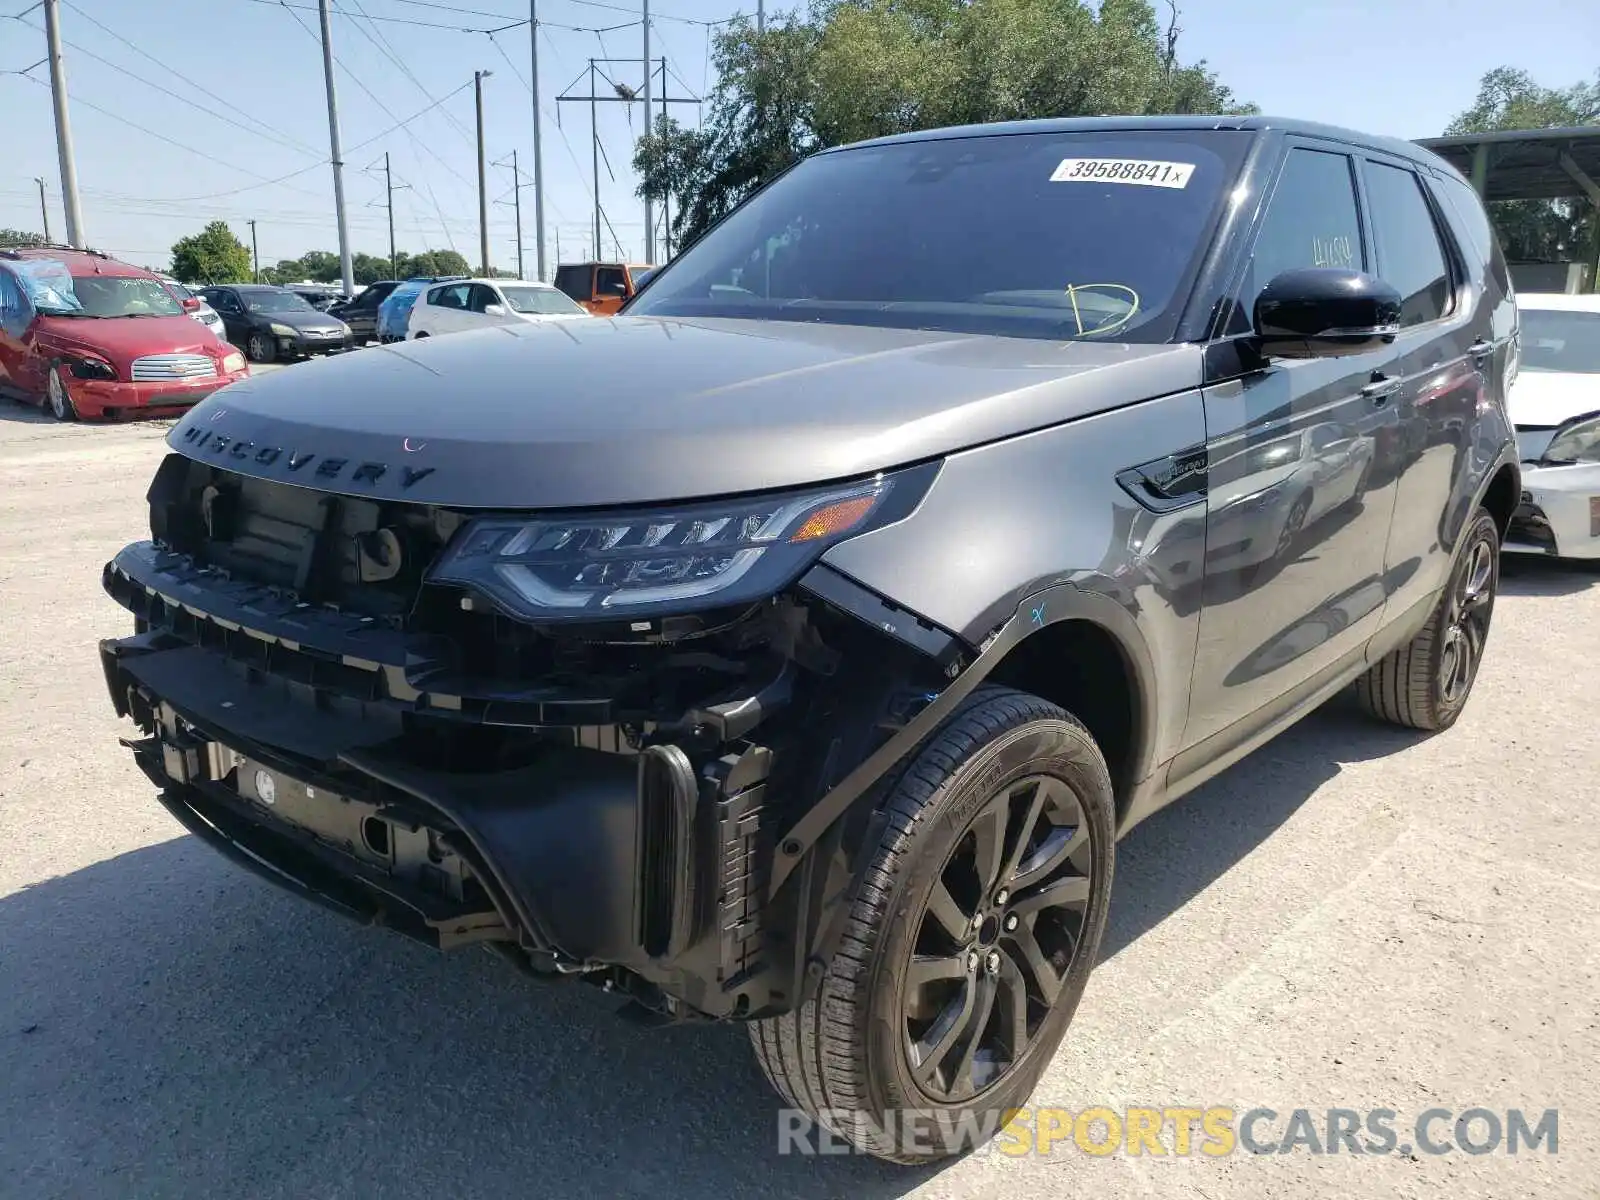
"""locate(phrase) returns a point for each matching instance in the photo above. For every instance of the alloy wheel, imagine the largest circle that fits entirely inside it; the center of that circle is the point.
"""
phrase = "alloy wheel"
(997, 937)
(60, 402)
(1467, 623)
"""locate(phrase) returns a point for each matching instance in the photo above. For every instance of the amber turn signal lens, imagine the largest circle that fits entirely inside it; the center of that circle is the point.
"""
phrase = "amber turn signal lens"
(834, 518)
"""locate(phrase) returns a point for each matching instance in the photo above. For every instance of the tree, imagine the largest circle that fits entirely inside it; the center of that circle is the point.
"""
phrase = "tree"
(432, 262)
(369, 268)
(214, 255)
(855, 69)
(10, 238)
(1535, 230)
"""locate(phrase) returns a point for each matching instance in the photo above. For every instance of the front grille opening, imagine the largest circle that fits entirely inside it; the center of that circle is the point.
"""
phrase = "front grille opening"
(364, 556)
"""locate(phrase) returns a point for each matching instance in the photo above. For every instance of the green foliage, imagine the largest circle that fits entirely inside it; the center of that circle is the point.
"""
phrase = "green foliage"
(855, 69)
(214, 255)
(12, 238)
(1535, 230)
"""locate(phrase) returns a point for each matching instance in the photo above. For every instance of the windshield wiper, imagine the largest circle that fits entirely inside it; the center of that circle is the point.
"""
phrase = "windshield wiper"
(68, 312)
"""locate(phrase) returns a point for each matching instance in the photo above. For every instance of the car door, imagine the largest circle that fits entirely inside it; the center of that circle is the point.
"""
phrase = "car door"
(446, 308)
(235, 321)
(17, 372)
(1292, 586)
(610, 290)
(1444, 343)
(480, 299)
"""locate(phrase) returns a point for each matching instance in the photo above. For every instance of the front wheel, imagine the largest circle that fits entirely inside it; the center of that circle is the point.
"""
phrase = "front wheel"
(57, 396)
(970, 943)
(261, 347)
(1425, 683)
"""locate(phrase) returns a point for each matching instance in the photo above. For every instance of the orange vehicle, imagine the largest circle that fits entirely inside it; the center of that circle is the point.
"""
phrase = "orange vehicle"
(602, 288)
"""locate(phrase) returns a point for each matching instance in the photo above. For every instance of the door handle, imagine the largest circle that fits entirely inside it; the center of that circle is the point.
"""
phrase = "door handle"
(1380, 389)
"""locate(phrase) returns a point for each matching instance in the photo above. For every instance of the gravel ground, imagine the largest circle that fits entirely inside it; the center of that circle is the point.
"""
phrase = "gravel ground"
(1354, 917)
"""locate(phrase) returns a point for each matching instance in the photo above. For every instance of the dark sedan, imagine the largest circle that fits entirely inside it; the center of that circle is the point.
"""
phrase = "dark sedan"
(361, 313)
(272, 322)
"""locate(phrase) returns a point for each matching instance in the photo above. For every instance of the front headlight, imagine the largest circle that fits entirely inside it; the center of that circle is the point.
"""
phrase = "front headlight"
(1578, 441)
(232, 362)
(288, 331)
(688, 558)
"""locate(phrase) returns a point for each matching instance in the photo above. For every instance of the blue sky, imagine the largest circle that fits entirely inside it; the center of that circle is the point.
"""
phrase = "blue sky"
(1400, 67)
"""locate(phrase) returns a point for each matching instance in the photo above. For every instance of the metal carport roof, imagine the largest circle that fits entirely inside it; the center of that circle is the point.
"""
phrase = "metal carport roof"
(1526, 164)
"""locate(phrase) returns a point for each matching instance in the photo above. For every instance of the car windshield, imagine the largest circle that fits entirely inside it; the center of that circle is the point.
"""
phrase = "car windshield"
(118, 296)
(1554, 340)
(539, 300)
(275, 302)
(1045, 235)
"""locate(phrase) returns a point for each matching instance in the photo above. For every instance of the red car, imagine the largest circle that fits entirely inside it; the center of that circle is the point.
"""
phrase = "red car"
(89, 336)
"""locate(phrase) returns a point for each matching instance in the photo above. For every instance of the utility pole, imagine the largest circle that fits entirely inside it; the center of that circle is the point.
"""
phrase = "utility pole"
(666, 199)
(649, 214)
(58, 92)
(483, 175)
(594, 152)
(346, 271)
(538, 152)
(761, 16)
(388, 194)
(516, 204)
(255, 255)
(44, 209)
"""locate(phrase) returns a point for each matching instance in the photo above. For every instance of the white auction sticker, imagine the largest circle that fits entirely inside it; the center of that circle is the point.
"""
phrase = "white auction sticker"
(1143, 172)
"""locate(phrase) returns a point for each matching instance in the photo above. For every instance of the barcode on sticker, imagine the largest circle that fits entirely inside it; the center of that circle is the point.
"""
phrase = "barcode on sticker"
(1143, 172)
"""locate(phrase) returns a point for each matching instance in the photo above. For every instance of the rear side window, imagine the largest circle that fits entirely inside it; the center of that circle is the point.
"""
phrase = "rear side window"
(1410, 258)
(574, 281)
(13, 312)
(453, 296)
(1472, 226)
(1312, 221)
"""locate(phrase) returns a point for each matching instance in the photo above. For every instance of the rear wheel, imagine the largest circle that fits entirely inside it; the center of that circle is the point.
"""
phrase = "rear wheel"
(1425, 683)
(261, 347)
(58, 398)
(969, 946)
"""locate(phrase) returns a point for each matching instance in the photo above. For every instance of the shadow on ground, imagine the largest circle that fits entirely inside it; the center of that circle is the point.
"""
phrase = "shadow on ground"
(169, 1026)
(1522, 575)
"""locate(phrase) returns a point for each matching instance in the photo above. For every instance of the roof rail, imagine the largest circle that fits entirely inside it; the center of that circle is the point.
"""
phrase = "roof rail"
(11, 251)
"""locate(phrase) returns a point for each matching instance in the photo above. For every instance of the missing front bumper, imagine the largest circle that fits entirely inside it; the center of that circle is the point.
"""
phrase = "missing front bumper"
(588, 861)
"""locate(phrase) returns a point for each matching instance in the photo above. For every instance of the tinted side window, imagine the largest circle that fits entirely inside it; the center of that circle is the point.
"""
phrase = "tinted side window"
(1472, 226)
(482, 297)
(574, 281)
(1410, 258)
(13, 312)
(610, 281)
(453, 296)
(1312, 221)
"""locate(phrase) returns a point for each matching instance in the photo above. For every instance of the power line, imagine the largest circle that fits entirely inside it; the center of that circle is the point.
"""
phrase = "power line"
(205, 154)
(390, 20)
(260, 130)
(387, 50)
(474, 12)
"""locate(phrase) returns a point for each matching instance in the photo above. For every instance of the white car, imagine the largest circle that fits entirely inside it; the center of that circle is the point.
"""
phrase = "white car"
(205, 314)
(1555, 405)
(463, 304)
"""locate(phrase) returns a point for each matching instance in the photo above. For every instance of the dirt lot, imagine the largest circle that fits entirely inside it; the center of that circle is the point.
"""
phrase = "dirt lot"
(1353, 918)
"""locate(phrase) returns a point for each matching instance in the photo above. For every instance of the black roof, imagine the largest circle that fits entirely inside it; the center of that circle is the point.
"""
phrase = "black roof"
(1390, 145)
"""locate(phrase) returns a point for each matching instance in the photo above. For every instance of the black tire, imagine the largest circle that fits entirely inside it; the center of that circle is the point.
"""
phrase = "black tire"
(1425, 683)
(57, 399)
(261, 347)
(846, 1057)
(1293, 525)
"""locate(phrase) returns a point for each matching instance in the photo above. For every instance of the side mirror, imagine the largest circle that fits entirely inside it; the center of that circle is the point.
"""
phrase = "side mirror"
(190, 304)
(1325, 312)
(494, 310)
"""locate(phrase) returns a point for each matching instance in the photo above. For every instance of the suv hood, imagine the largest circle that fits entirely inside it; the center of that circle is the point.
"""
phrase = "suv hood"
(120, 340)
(636, 410)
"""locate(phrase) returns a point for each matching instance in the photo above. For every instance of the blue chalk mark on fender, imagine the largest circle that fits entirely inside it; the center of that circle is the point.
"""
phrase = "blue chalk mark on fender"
(1038, 616)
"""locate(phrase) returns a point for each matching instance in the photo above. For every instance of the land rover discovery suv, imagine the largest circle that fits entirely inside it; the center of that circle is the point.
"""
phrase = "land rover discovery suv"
(794, 648)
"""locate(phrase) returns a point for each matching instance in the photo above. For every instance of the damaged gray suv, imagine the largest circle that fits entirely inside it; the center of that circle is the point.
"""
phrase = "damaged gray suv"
(794, 648)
